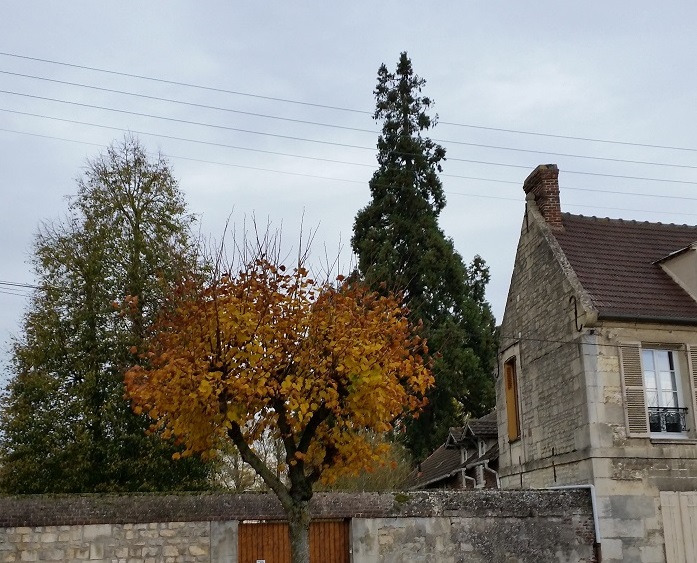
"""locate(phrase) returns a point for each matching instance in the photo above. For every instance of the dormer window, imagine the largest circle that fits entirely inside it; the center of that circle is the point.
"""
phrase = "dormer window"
(681, 266)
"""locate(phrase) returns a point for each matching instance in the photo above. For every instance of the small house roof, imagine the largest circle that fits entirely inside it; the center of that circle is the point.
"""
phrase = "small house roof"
(484, 427)
(447, 459)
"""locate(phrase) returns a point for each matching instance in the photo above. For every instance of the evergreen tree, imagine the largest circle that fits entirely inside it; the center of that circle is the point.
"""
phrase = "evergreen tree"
(399, 245)
(103, 274)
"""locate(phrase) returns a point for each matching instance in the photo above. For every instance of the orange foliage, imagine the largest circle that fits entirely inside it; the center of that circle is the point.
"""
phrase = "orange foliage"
(273, 350)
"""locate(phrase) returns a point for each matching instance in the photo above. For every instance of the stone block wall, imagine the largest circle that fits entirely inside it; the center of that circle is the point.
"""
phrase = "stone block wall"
(439, 526)
(539, 329)
(145, 543)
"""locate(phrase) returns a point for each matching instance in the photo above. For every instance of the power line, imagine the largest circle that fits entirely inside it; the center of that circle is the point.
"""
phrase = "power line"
(567, 155)
(13, 293)
(175, 138)
(346, 180)
(334, 126)
(563, 187)
(556, 341)
(186, 121)
(19, 284)
(193, 104)
(345, 109)
(331, 143)
(188, 85)
(570, 137)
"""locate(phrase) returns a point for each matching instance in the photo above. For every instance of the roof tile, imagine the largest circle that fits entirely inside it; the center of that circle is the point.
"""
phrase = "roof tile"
(615, 260)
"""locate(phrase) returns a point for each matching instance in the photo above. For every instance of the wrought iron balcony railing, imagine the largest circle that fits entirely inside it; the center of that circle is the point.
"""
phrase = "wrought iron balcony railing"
(667, 419)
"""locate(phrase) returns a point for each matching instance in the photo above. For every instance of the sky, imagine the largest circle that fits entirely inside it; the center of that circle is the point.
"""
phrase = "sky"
(264, 109)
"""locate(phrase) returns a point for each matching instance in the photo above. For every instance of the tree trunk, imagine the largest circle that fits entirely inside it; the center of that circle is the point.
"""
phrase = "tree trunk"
(299, 531)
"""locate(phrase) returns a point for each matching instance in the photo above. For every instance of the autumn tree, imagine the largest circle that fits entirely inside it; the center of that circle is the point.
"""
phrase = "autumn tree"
(103, 272)
(268, 351)
(400, 245)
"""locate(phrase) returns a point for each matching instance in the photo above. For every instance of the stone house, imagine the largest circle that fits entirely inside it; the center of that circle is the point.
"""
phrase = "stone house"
(467, 460)
(598, 372)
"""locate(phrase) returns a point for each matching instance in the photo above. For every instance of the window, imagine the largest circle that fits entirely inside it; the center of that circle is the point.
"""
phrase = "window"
(659, 386)
(663, 391)
(513, 415)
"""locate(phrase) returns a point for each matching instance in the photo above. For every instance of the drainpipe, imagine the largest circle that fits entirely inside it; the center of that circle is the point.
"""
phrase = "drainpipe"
(596, 521)
(485, 465)
(495, 473)
(466, 478)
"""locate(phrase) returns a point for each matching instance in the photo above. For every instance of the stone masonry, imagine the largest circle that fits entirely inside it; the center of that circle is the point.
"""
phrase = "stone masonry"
(449, 527)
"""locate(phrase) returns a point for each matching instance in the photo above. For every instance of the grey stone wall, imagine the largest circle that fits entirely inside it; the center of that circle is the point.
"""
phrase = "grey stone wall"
(539, 327)
(462, 539)
(477, 526)
(145, 543)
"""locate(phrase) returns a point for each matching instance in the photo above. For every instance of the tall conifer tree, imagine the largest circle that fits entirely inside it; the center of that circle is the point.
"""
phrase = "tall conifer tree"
(102, 276)
(400, 246)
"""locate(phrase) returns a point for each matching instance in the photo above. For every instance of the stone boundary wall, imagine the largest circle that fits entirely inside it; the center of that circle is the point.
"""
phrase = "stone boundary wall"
(61, 510)
(489, 525)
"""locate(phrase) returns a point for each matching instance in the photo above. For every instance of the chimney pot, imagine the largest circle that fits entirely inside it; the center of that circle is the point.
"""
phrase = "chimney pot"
(543, 185)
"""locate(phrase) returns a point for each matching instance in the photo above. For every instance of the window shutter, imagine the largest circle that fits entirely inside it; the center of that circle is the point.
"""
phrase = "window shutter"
(512, 413)
(692, 368)
(633, 387)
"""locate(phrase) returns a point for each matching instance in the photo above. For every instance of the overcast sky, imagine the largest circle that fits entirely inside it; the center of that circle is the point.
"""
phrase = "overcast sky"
(596, 71)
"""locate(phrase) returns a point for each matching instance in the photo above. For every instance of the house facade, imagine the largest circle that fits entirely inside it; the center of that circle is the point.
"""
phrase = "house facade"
(597, 377)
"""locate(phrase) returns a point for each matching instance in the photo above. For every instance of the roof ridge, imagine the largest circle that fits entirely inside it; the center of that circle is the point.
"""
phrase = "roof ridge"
(625, 221)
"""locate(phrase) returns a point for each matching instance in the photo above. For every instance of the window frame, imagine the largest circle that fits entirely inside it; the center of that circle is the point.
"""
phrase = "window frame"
(512, 397)
(634, 388)
(676, 385)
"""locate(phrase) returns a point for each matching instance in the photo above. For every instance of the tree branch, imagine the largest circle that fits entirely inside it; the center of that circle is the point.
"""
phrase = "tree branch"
(268, 476)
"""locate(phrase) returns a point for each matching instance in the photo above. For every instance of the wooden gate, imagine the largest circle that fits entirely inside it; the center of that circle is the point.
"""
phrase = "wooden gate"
(680, 526)
(268, 542)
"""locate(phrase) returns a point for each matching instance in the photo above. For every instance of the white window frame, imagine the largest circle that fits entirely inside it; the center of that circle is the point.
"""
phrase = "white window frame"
(634, 392)
(676, 389)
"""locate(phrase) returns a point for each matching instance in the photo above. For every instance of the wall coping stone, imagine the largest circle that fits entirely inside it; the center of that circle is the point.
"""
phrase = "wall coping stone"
(61, 510)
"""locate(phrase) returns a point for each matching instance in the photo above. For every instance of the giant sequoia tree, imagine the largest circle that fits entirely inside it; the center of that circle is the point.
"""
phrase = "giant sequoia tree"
(401, 247)
(103, 273)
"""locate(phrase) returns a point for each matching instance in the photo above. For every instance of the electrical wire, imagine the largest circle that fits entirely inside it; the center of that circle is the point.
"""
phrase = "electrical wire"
(17, 294)
(19, 284)
(192, 104)
(175, 138)
(346, 180)
(335, 126)
(571, 137)
(331, 143)
(345, 109)
(187, 84)
(187, 121)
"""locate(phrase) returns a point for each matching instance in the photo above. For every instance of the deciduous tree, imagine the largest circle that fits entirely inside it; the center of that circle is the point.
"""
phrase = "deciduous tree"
(268, 351)
(102, 273)
(400, 246)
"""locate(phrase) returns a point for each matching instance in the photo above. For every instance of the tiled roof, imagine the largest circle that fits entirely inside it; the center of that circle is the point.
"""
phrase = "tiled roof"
(446, 460)
(484, 427)
(439, 465)
(615, 263)
(455, 435)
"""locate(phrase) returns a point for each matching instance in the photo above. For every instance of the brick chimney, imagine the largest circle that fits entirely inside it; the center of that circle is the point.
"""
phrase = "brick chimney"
(543, 186)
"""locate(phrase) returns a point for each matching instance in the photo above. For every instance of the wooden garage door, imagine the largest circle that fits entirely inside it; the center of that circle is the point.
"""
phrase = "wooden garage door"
(268, 542)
